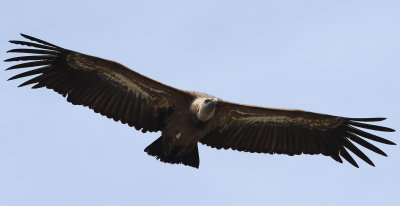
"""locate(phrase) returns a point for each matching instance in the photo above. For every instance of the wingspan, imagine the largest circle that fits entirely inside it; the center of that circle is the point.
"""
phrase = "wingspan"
(292, 132)
(107, 87)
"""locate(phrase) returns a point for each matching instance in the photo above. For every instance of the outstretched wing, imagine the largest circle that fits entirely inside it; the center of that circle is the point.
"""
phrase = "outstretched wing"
(292, 132)
(107, 87)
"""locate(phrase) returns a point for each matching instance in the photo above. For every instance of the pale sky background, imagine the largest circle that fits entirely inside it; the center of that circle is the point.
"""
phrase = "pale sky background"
(335, 57)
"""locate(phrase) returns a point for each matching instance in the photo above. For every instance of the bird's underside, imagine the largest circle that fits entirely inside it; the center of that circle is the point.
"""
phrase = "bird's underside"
(186, 118)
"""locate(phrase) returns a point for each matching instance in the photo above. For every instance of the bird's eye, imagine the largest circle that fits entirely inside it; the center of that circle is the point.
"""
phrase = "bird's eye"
(207, 100)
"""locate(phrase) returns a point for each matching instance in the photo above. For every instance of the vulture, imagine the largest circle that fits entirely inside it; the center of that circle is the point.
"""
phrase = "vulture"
(186, 118)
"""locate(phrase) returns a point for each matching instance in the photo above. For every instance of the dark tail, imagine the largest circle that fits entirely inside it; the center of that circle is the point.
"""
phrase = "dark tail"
(188, 156)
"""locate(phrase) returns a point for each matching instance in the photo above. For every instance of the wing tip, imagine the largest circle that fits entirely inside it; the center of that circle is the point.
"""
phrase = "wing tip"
(370, 163)
(24, 35)
(9, 59)
(10, 68)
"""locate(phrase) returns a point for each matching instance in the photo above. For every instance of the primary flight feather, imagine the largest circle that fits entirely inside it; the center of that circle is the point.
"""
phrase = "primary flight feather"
(187, 117)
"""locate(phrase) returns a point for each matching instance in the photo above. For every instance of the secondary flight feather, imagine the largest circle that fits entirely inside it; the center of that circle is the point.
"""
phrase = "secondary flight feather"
(186, 118)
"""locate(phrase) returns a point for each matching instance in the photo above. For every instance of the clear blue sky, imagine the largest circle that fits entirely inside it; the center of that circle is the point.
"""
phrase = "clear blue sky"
(335, 57)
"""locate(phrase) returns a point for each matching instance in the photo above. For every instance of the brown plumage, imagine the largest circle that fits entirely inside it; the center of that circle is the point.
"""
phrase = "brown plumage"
(185, 117)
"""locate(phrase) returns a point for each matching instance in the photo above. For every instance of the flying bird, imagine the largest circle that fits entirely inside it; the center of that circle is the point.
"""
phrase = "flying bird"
(186, 118)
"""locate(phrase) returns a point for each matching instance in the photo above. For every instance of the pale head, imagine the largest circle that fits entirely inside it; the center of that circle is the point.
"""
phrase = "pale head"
(204, 107)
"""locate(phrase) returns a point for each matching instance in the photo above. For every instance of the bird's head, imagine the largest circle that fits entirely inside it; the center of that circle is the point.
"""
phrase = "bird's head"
(206, 108)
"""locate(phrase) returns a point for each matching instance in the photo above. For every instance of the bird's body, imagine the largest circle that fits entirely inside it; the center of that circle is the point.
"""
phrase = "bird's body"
(186, 118)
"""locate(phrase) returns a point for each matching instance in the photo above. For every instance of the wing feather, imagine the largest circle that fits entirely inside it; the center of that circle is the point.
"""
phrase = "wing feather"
(33, 51)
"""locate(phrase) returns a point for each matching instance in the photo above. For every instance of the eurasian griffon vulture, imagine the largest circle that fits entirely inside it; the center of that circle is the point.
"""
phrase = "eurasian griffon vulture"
(186, 117)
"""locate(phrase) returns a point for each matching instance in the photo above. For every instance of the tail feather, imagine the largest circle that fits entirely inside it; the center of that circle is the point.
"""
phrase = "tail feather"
(188, 156)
